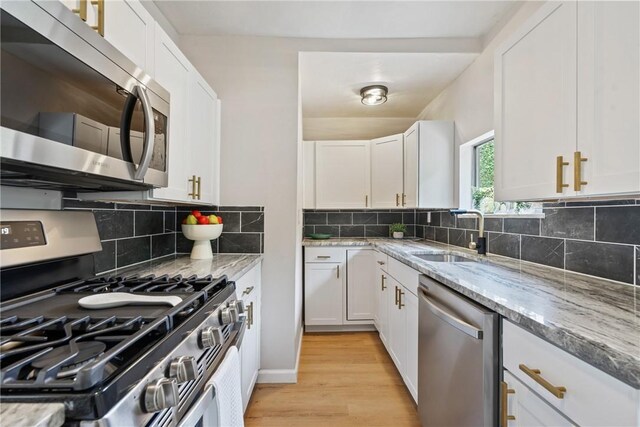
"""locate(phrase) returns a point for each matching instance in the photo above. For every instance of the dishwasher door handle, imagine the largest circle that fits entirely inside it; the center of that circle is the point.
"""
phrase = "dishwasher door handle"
(452, 320)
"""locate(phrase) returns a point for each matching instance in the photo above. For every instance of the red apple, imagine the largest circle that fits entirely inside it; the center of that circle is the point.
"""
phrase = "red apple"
(203, 220)
(197, 214)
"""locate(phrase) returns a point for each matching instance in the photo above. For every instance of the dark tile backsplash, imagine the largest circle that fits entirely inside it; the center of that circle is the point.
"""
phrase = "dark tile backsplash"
(133, 233)
(357, 223)
(599, 238)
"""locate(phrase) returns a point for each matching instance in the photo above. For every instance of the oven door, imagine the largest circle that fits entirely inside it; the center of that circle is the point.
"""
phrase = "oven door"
(75, 113)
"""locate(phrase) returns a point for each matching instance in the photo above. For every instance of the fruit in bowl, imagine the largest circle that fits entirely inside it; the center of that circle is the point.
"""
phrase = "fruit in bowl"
(201, 229)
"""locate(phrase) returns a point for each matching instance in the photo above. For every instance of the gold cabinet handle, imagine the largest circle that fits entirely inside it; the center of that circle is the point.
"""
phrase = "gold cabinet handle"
(400, 303)
(396, 303)
(198, 185)
(397, 199)
(504, 416)
(404, 199)
(250, 316)
(560, 163)
(338, 271)
(380, 262)
(100, 26)
(366, 201)
(247, 291)
(194, 184)
(577, 171)
(535, 374)
(81, 11)
(323, 256)
(382, 279)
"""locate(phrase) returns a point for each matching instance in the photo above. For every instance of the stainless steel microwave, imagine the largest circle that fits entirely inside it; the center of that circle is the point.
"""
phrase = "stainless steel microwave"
(76, 113)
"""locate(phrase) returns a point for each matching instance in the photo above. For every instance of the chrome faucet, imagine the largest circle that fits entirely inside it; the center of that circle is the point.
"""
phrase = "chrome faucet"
(481, 243)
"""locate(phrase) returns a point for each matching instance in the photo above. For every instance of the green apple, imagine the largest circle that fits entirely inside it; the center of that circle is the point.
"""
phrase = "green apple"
(192, 220)
(213, 219)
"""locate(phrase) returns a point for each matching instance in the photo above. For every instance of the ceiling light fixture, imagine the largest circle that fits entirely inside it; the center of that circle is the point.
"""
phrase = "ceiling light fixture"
(374, 95)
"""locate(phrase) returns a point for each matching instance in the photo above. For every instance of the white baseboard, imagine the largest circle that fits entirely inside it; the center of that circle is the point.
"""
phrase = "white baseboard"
(340, 328)
(281, 376)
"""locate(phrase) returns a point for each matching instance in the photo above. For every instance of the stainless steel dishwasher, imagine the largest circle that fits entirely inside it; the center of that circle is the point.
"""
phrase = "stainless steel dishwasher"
(458, 359)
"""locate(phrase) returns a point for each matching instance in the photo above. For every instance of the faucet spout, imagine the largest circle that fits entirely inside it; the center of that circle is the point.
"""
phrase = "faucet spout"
(481, 244)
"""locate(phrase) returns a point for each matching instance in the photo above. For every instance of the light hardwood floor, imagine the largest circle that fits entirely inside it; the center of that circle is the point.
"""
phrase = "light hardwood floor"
(345, 379)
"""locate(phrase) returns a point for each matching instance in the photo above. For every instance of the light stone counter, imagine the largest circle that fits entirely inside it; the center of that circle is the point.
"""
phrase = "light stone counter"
(31, 414)
(595, 319)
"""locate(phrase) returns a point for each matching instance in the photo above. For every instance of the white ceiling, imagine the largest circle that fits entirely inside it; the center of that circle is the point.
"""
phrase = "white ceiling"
(331, 81)
(335, 19)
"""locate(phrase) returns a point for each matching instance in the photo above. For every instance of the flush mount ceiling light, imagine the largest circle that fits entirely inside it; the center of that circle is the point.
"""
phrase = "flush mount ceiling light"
(374, 95)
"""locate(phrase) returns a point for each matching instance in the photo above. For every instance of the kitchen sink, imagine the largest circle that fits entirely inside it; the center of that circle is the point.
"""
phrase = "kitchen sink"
(443, 258)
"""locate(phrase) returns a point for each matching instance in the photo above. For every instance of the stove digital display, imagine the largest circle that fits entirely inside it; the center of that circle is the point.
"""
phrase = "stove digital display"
(21, 234)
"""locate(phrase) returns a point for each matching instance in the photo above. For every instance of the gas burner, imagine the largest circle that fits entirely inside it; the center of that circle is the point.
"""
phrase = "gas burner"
(68, 358)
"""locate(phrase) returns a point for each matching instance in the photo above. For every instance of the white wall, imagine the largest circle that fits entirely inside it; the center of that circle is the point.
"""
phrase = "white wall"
(469, 99)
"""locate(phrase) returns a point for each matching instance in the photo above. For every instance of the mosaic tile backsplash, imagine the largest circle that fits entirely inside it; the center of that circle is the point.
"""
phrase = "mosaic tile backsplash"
(597, 238)
(132, 233)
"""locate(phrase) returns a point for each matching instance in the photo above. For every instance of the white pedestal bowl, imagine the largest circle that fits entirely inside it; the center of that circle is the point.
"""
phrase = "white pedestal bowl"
(202, 234)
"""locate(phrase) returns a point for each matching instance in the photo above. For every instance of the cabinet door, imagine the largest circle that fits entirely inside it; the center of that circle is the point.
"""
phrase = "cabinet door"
(411, 156)
(527, 408)
(361, 281)
(204, 156)
(535, 105)
(323, 293)
(343, 178)
(386, 172)
(249, 353)
(384, 305)
(130, 28)
(309, 174)
(397, 337)
(609, 97)
(410, 302)
(172, 72)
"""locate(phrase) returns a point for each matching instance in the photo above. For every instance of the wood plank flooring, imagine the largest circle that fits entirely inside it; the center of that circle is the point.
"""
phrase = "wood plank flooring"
(344, 379)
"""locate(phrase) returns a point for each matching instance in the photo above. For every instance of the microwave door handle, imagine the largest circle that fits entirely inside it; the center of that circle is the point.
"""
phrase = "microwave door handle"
(452, 320)
(149, 133)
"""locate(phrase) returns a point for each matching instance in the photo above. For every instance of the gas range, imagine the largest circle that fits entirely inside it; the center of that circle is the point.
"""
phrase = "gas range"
(142, 365)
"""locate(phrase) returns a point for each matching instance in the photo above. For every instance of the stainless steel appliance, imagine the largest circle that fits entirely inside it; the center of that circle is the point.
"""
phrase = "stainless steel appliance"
(75, 112)
(458, 359)
(137, 365)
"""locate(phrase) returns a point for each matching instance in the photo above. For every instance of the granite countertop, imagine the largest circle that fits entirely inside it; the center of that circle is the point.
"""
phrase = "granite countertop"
(32, 414)
(595, 319)
(234, 266)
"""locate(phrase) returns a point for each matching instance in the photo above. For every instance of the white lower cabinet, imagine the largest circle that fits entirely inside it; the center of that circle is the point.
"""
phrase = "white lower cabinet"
(248, 289)
(580, 392)
(381, 314)
(402, 333)
(524, 408)
(361, 280)
(323, 287)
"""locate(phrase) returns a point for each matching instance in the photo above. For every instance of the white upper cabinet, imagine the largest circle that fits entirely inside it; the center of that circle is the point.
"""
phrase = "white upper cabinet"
(386, 171)
(535, 105)
(343, 176)
(435, 154)
(173, 73)
(410, 167)
(567, 102)
(130, 28)
(608, 97)
(203, 132)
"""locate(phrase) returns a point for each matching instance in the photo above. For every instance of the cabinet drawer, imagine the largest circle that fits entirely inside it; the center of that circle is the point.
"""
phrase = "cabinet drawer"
(249, 284)
(320, 254)
(382, 260)
(592, 397)
(404, 274)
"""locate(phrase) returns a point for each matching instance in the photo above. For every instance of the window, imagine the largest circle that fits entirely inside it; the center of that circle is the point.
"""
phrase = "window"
(477, 161)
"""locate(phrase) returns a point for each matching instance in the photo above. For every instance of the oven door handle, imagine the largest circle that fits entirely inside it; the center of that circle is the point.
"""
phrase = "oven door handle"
(198, 410)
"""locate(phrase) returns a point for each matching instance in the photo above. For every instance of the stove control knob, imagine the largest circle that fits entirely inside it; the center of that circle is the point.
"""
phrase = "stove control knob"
(160, 394)
(229, 315)
(210, 337)
(183, 369)
(238, 305)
